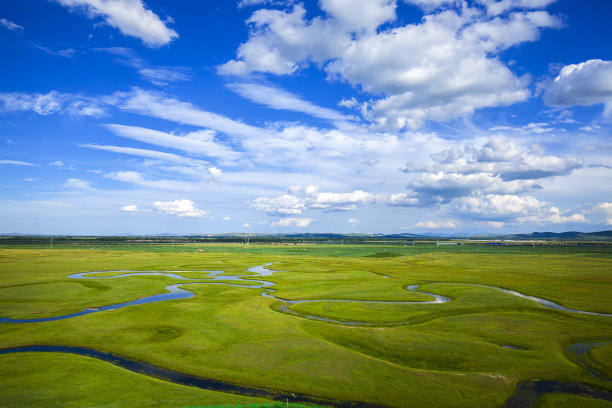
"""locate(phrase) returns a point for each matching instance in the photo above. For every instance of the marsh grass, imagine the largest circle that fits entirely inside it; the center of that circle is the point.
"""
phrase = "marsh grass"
(448, 354)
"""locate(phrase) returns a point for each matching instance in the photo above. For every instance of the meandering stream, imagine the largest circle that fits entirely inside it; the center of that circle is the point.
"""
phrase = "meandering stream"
(175, 292)
(525, 393)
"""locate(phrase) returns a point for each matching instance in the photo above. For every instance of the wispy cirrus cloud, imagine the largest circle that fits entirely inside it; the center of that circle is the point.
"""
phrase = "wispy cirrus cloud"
(140, 179)
(51, 103)
(9, 25)
(277, 98)
(199, 143)
(152, 154)
(157, 75)
(16, 163)
(169, 108)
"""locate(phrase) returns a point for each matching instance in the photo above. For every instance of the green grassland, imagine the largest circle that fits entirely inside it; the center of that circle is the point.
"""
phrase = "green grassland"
(441, 355)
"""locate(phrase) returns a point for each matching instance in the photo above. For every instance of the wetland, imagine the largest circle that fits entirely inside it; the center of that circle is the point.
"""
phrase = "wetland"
(503, 327)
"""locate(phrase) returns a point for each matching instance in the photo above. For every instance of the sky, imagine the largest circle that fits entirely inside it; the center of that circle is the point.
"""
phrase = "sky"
(345, 116)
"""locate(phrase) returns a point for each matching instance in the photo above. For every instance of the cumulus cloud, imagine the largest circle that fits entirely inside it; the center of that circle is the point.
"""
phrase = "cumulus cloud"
(587, 83)
(130, 208)
(78, 184)
(181, 208)
(301, 198)
(404, 199)
(131, 17)
(293, 222)
(441, 68)
(520, 208)
(499, 166)
(286, 204)
(435, 224)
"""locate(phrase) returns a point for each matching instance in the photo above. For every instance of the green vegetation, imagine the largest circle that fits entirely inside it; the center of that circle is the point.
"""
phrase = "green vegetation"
(469, 352)
(570, 401)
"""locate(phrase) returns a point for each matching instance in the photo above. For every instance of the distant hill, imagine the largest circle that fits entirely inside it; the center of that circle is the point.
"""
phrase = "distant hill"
(17, 238)
(566, 236)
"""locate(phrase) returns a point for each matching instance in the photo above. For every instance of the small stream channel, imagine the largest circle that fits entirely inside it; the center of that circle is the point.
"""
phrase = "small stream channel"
(525, 394)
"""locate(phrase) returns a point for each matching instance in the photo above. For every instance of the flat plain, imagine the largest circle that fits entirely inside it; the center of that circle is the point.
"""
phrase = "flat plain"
(359, 336)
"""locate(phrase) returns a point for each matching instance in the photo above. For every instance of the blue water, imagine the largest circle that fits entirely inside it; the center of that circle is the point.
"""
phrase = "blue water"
(175, 292)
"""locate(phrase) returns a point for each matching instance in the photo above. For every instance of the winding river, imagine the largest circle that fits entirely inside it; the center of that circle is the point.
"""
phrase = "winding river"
(525, 393)
(213, 278)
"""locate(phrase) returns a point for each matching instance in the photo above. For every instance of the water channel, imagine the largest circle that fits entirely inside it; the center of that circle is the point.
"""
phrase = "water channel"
(525, 394)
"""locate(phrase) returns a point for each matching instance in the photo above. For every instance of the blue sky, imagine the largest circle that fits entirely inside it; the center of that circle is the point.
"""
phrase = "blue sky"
(380, 116)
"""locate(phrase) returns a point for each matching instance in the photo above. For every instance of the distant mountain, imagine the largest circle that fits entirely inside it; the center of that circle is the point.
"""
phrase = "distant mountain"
(355, 237)
(566, 236)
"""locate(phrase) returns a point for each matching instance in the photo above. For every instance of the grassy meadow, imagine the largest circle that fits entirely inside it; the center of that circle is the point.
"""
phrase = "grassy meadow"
(470, 352)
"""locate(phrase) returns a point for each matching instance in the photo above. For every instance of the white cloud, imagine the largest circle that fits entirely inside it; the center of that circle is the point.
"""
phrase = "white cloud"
(164, 107)
(157, 75)
(295, 222)
(277, 98)
(435, 224)
(358, 15)
(349, 103)
(530, 128)
(170, 157)
(78, 184)
(16, 163)
(215, 172)
(128, 16)
(587, 83)
(495, 7)
(134, 177)
(309, 197)
(353, 221)
(181, 208)
(163, 76)
(603, 210)
(50, 103)
(324, 200)
(403, 199)
(200, 142)
(441, 68)
(247, 3)
(499, 166)
(9, 25)
(130, 208)
(521, 209)
(286, 204)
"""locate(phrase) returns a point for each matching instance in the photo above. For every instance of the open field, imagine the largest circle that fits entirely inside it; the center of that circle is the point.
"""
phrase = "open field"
(469, 352)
